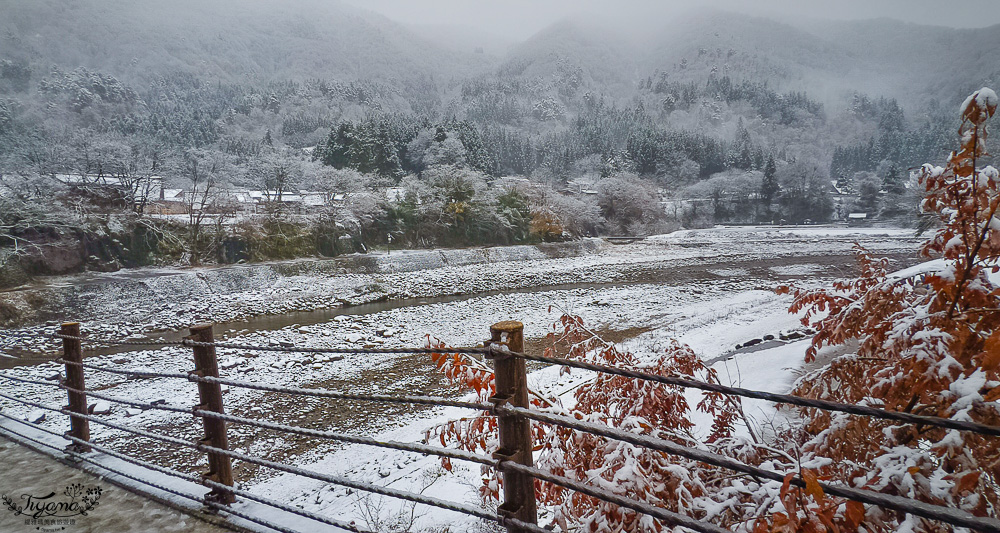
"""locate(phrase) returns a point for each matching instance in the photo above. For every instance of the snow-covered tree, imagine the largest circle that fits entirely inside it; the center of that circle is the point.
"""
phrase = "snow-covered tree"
(631, 405)
(928, 343)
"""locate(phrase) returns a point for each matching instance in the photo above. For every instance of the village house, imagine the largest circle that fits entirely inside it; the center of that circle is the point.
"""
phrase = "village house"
(858, 219)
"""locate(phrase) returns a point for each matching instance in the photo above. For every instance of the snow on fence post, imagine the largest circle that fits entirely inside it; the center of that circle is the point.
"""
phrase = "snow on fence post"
(515, 431)
(73, 357)
(220, 467)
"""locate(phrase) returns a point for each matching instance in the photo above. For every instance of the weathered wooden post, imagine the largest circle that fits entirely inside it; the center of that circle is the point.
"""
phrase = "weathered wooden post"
(220, 467)
(73, 358)
(515, 431)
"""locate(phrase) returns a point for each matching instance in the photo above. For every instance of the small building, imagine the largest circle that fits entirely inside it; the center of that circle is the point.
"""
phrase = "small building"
(169, 202)
(579, 186)
(857, 219)
(314, 199)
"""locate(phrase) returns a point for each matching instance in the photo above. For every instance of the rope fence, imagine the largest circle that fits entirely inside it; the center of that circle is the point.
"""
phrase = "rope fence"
(514, 462)
(493, 351)
(335, 480)
(296, 391)
(169, 472)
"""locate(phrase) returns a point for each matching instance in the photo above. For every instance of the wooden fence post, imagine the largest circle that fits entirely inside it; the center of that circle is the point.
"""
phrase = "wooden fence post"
(73, 357)
(515, 431)
(220, 467)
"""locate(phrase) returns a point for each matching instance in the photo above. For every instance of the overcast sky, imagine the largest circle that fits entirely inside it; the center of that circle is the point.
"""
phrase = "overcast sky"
(518, 19)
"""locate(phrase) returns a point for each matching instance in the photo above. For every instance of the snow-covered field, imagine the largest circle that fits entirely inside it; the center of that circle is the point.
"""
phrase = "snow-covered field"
(709, 288)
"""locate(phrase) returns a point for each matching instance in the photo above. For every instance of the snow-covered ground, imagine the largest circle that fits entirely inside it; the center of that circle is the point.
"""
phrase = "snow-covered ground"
(131, 302)
(710, 289)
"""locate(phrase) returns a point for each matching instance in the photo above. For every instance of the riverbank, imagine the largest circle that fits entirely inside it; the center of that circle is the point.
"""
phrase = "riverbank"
(142, 301)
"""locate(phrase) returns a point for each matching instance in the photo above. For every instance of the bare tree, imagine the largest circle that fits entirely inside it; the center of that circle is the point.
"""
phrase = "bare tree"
(628, 203)
(26, 214)
(207, 199)
(277, 173)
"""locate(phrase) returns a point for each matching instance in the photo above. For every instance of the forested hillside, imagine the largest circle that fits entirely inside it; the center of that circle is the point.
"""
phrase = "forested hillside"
(711, 118)
(232, 42)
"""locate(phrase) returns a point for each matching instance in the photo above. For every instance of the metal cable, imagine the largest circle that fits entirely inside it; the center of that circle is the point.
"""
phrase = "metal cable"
(111, 342)
(825, 405)
(336, 480)
(408, 447)
(91, 418)
(286, 349)
(326, 393)
(134, 403)
(367, 487)
(392, 445)
(186, 477)
(319, 393)
(331, 435)
(215, 485)
(31, 381)
(947, 515)
(125, 371)
(294, 349)
(669, 518)
(944, 514)
(284, 507)
(357, 485)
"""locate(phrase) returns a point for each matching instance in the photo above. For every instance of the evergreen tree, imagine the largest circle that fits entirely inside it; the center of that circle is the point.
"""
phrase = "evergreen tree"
(338, 146)
(769, 186)
(891, 182)
(868, 196)
(894, 203)
(742, 147)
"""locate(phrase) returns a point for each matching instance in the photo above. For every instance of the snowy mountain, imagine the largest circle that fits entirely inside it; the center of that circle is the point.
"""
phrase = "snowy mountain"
(830, 60)
(262, 41)
(298, 39)
(917, 63)
(579, 52)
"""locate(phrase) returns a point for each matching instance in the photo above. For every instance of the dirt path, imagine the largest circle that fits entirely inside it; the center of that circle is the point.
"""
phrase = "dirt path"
(24, 472)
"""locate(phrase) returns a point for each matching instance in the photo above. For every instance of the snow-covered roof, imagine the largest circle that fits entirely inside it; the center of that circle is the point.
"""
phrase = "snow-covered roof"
(313, 199)
(512, 179)
(172, 194)
(244, 197)
(97, 179)
(839, 190)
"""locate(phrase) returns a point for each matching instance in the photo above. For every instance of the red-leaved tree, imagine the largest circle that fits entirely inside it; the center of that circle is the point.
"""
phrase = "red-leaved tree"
(929, 344)
(923, 341)
(636, 406)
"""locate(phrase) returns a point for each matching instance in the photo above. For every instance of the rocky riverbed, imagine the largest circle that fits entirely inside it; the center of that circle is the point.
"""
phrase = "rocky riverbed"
(712, 289)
